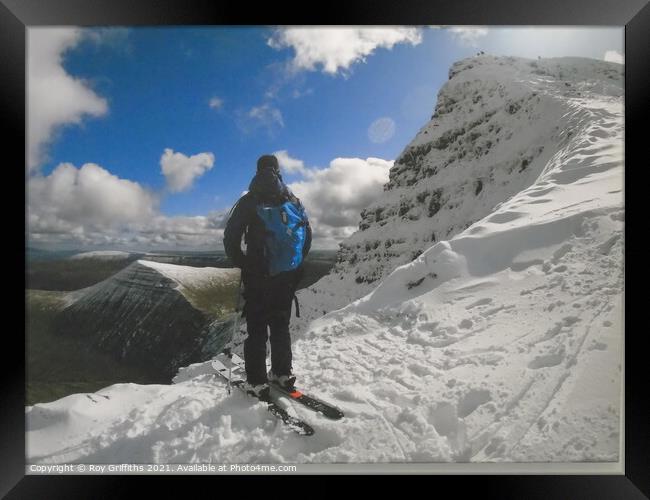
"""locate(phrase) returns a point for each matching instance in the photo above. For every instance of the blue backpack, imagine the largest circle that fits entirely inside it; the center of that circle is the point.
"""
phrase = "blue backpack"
(285, 235)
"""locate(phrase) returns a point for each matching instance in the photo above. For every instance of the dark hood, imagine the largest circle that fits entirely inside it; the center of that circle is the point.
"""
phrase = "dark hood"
(268, 185)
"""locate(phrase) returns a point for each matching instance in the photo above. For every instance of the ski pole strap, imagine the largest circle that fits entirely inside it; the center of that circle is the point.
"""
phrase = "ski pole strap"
(295, 301)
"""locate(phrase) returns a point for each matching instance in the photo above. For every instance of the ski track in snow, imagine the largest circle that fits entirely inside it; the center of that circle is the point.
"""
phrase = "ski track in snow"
(501, 344)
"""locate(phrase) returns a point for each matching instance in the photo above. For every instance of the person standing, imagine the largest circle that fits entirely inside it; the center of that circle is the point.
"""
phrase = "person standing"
(277, 235)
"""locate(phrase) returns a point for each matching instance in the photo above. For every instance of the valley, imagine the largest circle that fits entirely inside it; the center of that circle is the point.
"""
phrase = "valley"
(71, 349)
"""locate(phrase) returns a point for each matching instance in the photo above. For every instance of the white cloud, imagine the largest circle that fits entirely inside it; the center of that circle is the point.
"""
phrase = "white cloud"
(381, 130)
(540, 41)
(267, 115)
(117, 38)
(263, 116)
(614, 56)
(183, 232)
(216, 102)
(89, 196)
(291, 165)
(334, 196)
(180, 171)
(468, 35)
(335, 49)
(91, 207)
(55, 98)
(159, 233)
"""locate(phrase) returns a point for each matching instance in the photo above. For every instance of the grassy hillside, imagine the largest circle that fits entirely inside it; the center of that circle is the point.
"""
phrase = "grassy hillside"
(215, 301)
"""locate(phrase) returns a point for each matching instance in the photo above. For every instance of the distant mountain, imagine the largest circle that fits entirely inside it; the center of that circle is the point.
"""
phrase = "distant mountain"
(102, 255)
(159, 314)
(39, 254)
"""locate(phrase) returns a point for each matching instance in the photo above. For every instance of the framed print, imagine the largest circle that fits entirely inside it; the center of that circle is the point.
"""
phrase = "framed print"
(389, 241)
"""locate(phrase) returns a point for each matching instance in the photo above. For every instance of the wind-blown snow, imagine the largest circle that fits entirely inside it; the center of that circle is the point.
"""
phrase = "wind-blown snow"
(501, 342)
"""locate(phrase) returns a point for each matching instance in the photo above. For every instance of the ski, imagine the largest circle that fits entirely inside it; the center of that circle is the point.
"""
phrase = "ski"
(315, 404)
(311, 402)
(275, 409)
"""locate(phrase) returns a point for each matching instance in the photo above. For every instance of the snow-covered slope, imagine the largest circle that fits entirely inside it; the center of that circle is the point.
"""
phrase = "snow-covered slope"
(501, 341)
(497, 123)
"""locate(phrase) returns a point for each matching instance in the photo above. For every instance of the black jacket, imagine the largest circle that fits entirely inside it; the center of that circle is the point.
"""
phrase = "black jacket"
(266, 187)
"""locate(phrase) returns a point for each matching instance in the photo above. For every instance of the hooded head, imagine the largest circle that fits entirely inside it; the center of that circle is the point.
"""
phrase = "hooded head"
(268, 162)
(268, 182)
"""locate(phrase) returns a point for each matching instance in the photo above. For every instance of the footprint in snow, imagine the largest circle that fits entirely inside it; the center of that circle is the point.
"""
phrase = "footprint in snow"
(481, 302)
(465, 324)
(539, 192)
(504, 217)
(597, 346)
(561, 252)
(472, 400)
(547, 360)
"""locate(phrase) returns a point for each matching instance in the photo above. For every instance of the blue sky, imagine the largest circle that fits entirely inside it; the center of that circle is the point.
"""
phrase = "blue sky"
(172, 120)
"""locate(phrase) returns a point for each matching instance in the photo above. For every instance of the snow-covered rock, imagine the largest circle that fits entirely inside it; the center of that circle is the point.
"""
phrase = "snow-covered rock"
(498, 340)
(498, 123)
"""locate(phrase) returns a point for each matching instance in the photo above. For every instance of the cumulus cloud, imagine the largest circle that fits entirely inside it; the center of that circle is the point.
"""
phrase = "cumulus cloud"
(468, 35)
(334, 196)
(55, 98)
(180, 171)
(87, 196)
(614, 56)
(337, 49)
(291, 165)
(215, 102)
(90, 207)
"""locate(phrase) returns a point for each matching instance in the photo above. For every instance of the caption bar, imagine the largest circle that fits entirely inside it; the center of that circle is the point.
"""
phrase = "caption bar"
(155, 468)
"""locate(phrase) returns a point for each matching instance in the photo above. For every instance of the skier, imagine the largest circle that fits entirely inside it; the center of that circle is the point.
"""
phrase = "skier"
(278, 236)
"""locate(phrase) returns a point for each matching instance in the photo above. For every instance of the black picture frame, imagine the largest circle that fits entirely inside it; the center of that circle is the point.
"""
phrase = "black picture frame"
(17, 15)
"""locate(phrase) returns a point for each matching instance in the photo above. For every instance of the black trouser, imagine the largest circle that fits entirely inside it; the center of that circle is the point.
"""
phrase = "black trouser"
(268, 305)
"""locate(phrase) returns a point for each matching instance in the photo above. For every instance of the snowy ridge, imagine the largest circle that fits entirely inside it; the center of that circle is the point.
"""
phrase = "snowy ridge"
(500, 341)
(188, 277)
(102, 255)
(497, 125)
(162, 315)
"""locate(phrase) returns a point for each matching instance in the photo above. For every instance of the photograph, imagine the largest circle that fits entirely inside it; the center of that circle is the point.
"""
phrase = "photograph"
(387, 241)
(318, 244)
